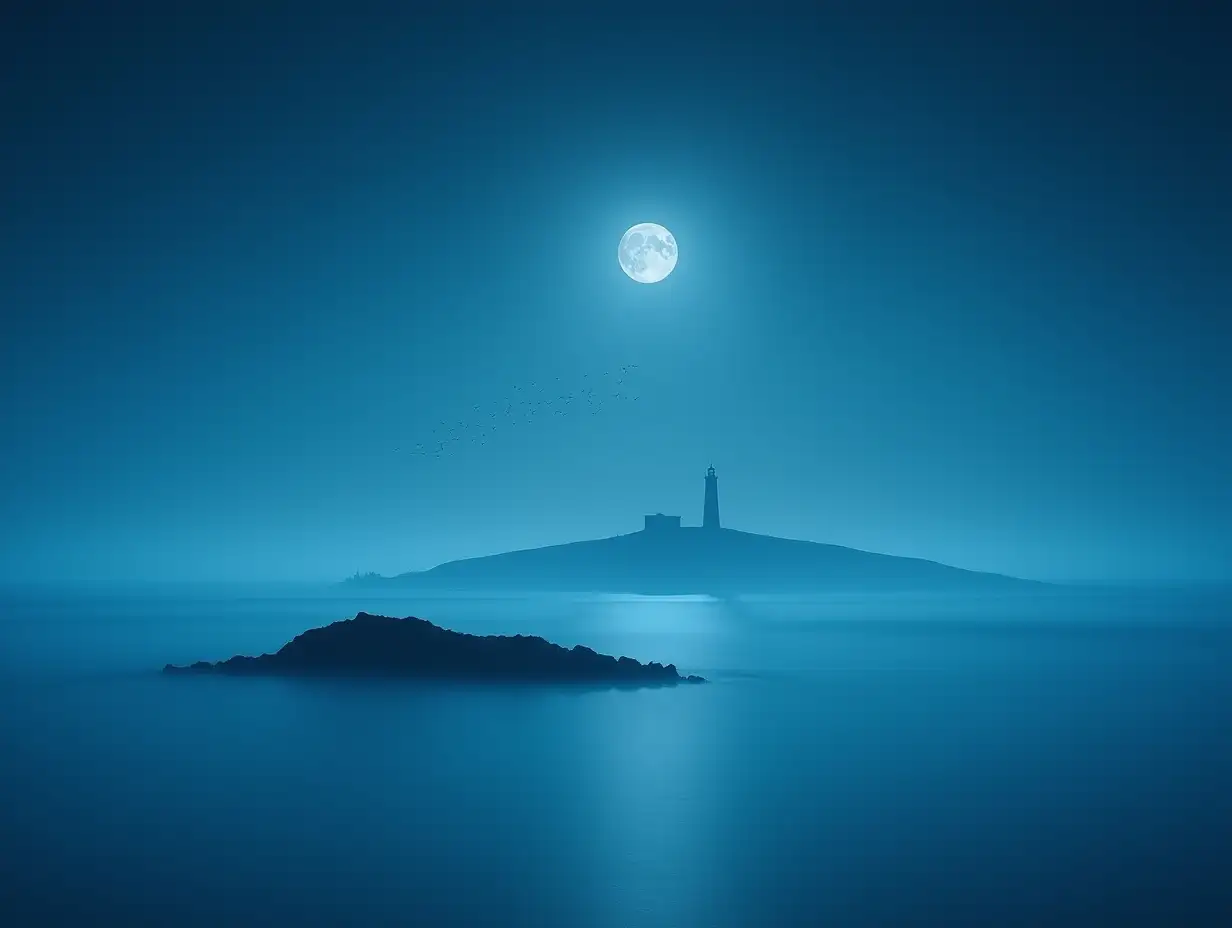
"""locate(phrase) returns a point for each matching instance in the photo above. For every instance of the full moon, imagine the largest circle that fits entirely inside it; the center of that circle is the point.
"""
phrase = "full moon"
(647, 252)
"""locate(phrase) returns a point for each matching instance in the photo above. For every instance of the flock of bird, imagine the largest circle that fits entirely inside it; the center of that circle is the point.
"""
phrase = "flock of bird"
(534, 401)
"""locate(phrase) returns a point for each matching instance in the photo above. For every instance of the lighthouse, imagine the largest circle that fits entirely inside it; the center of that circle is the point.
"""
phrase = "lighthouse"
(710, 513)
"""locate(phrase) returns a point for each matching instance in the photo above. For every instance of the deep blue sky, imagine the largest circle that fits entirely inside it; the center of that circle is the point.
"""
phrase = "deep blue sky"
(954, 286)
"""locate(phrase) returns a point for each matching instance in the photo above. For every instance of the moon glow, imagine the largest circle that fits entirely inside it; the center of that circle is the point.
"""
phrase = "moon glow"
(647, 252)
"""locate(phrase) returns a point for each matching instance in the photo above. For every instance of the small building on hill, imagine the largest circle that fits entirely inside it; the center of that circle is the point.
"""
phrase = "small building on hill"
(661, 523)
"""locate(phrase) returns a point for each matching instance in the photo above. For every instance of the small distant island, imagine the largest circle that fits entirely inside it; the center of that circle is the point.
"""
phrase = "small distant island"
(376, 645)
(668, 558)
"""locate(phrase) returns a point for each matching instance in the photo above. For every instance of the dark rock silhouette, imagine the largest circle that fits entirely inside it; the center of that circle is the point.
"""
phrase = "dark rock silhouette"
(375, 645)
(718, 561)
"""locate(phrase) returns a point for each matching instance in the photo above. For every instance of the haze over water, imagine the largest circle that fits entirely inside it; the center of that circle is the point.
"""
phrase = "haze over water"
(879, 760)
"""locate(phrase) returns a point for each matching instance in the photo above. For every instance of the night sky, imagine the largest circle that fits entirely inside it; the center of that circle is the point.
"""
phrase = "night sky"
(952, 286)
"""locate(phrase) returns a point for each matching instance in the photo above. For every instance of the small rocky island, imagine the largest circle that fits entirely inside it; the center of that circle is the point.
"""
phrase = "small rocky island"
(376, 645)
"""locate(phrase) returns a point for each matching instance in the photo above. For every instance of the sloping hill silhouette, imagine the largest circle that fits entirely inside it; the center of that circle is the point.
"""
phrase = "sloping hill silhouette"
(697, 560)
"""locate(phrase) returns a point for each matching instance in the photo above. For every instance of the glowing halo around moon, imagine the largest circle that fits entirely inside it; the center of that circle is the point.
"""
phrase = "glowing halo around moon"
(647, 252)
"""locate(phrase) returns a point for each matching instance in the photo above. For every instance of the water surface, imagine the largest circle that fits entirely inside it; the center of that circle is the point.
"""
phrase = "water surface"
(856, 761)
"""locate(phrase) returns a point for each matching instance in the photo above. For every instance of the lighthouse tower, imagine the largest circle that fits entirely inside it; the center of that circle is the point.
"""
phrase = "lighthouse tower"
(710, 512)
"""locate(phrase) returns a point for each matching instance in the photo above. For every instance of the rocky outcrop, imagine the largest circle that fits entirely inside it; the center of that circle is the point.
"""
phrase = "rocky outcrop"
(373, 645)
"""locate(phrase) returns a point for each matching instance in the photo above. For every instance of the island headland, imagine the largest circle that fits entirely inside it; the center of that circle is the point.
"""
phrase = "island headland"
(381, 646)
(666, 558)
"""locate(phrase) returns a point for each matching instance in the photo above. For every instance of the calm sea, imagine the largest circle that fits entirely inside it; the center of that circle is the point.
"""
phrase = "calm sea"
(1058, 760)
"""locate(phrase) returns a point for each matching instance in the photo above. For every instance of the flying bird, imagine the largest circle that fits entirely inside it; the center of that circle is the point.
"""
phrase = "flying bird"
(522, 405)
